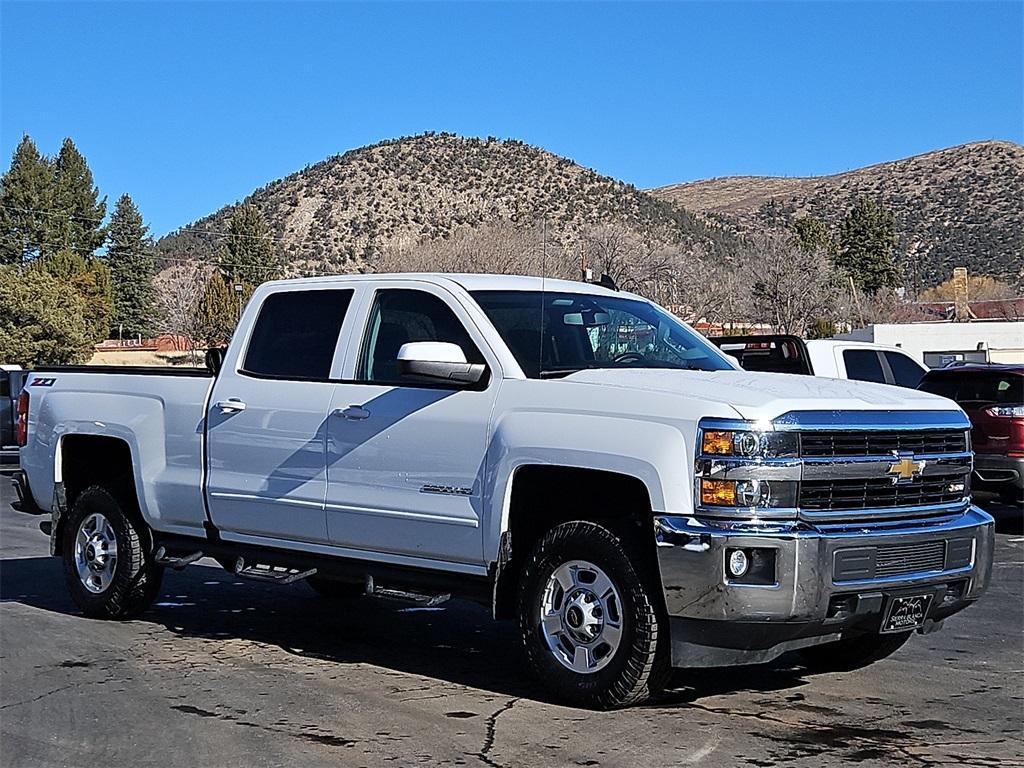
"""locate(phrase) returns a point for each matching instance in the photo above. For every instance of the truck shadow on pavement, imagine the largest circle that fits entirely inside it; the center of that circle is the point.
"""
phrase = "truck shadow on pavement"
(456, 642)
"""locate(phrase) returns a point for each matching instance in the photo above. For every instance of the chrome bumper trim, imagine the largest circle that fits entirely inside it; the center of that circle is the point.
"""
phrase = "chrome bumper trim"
(691, 555)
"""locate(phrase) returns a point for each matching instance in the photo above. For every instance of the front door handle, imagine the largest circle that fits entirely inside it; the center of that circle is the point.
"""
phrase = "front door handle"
(353, 413)
(231, 405)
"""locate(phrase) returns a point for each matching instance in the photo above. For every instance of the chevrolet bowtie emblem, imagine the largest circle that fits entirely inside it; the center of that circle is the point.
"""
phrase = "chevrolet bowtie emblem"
(905, 469)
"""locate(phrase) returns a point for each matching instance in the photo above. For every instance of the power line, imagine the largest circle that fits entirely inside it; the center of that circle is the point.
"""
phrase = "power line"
(188, 229)
(180, 259)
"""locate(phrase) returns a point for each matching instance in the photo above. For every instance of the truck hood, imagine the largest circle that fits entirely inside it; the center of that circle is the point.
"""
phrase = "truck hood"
(766, 396)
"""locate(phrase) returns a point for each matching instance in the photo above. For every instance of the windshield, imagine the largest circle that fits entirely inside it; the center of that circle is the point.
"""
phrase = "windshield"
(554, 334)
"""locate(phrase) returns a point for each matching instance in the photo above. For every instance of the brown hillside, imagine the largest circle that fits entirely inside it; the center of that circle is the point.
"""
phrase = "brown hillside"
(335, 215)
(958, 206)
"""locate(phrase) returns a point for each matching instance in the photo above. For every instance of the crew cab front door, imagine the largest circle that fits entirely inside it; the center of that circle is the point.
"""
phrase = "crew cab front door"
(405, 459)
(267, 419)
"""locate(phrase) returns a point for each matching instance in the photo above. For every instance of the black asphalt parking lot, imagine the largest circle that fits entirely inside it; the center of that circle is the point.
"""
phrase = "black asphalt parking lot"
(225, 673)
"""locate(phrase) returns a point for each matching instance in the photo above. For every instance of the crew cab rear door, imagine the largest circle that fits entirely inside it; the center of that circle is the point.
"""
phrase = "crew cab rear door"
(267, 420)
(405, 459)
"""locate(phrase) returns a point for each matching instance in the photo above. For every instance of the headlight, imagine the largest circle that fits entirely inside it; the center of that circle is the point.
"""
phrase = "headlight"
(765, 494)
(748, 444)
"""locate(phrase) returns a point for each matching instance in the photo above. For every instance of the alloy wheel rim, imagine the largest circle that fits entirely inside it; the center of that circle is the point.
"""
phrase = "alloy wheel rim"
(581, 616)
(95, 553)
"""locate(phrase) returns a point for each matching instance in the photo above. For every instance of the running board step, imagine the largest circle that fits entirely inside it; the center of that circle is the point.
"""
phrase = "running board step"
(427, 601)
(160, 557)
(271, 573)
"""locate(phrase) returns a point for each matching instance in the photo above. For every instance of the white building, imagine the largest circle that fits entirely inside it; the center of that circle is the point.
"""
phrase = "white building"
(940, 343)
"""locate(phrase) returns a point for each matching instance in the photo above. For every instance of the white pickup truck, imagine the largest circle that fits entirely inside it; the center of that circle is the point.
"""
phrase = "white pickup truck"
(572, 456)
(831, 358)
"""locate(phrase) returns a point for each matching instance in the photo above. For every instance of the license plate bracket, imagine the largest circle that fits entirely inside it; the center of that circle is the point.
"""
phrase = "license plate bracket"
(906, 612)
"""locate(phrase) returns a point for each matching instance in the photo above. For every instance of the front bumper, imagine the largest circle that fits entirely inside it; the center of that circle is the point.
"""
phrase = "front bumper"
(994, 471)
(814, 596)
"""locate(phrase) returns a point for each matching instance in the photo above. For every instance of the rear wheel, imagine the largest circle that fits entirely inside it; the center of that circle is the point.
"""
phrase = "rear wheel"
(853, 652)
(1012, 496)
(107, 565)
(588, 625)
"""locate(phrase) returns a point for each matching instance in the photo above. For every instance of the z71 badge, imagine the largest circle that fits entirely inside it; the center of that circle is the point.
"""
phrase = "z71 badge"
(43, 382)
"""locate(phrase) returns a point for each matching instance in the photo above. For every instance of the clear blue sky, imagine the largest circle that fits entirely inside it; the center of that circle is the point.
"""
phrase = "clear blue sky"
(190, 106)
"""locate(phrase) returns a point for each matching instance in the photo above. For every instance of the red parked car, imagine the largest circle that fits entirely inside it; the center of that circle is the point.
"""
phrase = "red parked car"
(993, 398)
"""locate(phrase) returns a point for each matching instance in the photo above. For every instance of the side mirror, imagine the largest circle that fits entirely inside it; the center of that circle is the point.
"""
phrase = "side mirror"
(214, 359)
(438, 361)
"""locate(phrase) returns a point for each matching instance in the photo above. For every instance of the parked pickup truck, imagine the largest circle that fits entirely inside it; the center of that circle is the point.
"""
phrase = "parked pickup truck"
(831, 358)
(572, 456)
(11, 379)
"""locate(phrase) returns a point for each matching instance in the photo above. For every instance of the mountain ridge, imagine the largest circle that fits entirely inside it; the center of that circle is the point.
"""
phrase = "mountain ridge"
(956, 206)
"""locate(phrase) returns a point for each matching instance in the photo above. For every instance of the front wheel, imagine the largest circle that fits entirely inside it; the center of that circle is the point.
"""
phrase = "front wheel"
(587, 622)
(107, 566)
(852, 653)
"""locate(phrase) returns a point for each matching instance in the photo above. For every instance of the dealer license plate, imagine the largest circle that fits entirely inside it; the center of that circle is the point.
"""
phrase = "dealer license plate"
(906, 613)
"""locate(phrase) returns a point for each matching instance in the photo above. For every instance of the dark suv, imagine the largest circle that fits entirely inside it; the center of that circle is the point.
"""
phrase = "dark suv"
(993, 398)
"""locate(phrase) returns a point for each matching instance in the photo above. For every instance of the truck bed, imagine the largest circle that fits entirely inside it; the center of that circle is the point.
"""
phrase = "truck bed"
(159, 412)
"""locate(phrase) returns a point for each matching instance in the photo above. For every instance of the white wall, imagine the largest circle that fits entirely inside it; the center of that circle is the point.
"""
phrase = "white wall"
(1004, 340)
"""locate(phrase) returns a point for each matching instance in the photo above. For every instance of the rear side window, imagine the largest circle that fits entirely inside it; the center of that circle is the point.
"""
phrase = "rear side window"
(905, 372)
(296, 333)
(984, 389)
(863, 365)
(5, 385)
(940, 384)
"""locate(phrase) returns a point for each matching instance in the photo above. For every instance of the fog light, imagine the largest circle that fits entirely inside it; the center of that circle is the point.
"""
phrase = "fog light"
(738, 563)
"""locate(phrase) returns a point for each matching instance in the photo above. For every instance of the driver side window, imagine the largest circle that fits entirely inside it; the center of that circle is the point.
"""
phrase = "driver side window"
(401, 316)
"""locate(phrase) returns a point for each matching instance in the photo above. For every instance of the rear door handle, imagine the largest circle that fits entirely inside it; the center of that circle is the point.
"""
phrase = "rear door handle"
(232, 404)
(353, 413)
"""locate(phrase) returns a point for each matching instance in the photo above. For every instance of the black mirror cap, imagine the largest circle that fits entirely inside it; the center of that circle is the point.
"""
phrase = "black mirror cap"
(215, 359)
(460, 374)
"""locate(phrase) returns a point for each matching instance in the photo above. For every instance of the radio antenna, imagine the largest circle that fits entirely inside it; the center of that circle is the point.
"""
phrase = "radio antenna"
(543, 290)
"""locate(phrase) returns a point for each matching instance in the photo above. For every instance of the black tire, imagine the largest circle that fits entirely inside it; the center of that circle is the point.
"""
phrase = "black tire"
(337, 590)
(852, 653)
(639, 667)
(1012, 496)
(135, 580)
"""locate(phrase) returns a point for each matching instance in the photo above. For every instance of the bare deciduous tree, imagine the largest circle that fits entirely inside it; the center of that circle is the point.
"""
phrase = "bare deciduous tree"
(178, 289)
(791, 288)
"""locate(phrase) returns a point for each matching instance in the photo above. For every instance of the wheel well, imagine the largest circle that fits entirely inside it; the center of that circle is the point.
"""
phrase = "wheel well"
(543, 496)
(87, 460)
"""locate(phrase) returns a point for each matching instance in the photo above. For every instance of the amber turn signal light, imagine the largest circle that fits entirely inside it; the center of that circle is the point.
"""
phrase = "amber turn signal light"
(717, 443)
(721, 493)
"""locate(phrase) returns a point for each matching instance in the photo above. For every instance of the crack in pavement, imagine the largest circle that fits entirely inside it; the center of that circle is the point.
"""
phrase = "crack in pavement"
(68, 687)
(491, 732)
(328, 739)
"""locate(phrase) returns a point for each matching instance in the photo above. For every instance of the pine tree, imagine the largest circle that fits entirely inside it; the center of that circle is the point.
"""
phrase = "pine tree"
(218, 310)
(813, 235)
(249, 254)
(87, 276)
(130, 259)
(79, 225)
(26, 201)
(867, 241)
(41, 319)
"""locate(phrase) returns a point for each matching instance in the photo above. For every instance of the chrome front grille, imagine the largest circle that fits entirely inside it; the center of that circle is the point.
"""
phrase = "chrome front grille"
(852, 494)
(881, 443)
